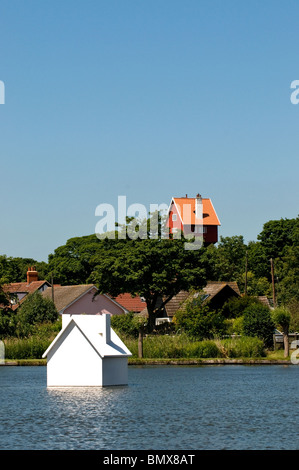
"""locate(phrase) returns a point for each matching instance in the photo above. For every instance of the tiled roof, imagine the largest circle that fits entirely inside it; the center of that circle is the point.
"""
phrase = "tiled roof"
(209, 214)
(130, 303)
(65, 295)
(24, 287)
(176, 302)
(212, 288)
(264, 300)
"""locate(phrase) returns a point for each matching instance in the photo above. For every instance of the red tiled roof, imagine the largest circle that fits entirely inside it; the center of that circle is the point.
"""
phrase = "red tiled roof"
(209, 214)
(132, 304)
(23, 287)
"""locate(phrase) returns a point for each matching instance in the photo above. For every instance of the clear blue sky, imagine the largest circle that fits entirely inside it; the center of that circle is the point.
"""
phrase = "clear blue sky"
(149, 99)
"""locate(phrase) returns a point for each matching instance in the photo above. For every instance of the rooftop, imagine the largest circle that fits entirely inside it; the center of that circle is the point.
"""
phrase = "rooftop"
(188, 203)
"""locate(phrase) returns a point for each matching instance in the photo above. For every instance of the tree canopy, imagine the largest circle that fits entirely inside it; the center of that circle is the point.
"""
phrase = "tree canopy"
(149, 268)
(148, 264)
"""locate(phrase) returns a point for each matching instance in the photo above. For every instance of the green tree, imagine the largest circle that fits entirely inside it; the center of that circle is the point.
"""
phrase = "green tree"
(197, 320)
(15, 269)
(235, 306)
(35, 310)
(256, 285)
(72, 263)
(277, 235)
(282, 318)
(278, 240)
(227, 261)
(258, 262)
(150, 268)
(293, 307)
(125, 324)
(287, 274)
(257, 321)
(6, 314)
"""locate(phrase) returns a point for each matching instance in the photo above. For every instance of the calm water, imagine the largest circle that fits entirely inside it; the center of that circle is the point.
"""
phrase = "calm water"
(162, 408)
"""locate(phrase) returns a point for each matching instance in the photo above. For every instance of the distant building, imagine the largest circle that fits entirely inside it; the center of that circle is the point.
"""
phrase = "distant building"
(17, 291)
(83, 298)
(193, 215)
(215, 294)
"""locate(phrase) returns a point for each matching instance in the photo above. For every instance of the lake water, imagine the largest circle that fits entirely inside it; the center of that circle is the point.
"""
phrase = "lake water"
(231, 407)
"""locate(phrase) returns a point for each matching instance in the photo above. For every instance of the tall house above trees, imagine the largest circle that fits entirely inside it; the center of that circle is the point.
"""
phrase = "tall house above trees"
(193, 215)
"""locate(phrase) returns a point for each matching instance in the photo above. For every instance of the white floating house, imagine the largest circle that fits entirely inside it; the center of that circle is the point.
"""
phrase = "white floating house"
(86, 352)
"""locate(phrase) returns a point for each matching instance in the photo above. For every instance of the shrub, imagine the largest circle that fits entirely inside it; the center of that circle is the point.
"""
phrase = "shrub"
(125, 324)
(203, 349)
(235, 306)
(27, 348)
(35, 310)
(234, 326)
(282, 317)
(293, 307)
(7, 323)
(257, 322)
(198, 321)
(243, 347)
(177, 346)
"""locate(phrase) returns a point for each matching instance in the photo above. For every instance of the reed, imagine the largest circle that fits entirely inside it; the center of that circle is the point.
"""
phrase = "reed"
(26, 348)
(181, 346)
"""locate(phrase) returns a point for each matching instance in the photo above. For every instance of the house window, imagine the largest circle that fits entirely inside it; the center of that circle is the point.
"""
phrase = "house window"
(174, 217)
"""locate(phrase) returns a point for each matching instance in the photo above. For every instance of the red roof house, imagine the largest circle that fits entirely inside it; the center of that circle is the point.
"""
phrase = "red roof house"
(131, 304)
(193, 215)
(17, 291)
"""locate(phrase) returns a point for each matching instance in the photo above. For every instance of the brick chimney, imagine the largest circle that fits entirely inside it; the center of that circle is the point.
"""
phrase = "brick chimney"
(32, 274)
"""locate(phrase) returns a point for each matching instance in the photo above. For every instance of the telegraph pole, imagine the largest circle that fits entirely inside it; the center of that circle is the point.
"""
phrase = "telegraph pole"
(52, 288)
(246, 264)
(273, 282)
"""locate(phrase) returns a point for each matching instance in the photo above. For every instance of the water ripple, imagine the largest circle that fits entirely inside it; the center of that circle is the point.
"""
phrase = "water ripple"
(162, 408)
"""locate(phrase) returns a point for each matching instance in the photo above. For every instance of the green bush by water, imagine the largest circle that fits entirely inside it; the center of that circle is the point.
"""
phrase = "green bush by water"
(177, 346)
(243, 347)
(28, 348)
(181, 346)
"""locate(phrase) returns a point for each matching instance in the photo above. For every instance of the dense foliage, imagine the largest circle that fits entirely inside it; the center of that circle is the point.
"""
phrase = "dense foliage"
(258, 322)
(197, 320)
(26, 320)
(161, 267)
(35, 310)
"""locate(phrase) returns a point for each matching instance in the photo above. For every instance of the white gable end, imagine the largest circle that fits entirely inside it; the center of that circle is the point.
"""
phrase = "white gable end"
(87, 352)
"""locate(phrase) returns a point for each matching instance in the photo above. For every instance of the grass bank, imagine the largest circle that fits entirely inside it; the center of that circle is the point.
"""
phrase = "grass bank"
(181, 346)
(160, 349)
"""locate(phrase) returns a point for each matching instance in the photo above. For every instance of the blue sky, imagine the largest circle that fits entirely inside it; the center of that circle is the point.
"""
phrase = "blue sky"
(147, 99)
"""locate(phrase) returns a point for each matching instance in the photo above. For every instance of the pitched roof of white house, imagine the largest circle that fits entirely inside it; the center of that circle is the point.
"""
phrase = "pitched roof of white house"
(97, 331)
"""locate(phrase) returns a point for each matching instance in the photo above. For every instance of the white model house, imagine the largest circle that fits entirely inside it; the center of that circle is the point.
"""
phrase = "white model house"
(86, 352)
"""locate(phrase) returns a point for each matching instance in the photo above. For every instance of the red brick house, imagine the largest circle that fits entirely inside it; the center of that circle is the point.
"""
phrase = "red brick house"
(193, 215)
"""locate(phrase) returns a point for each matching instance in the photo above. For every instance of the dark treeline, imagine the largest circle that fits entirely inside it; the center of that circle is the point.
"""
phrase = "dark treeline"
(80, 260)
(159, 268)
(88, 259)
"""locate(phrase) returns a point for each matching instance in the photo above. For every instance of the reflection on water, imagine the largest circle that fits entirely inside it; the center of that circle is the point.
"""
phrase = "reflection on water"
(210, 407)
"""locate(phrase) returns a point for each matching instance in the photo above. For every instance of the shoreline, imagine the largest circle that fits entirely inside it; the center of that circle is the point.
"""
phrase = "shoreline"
(175, 362)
